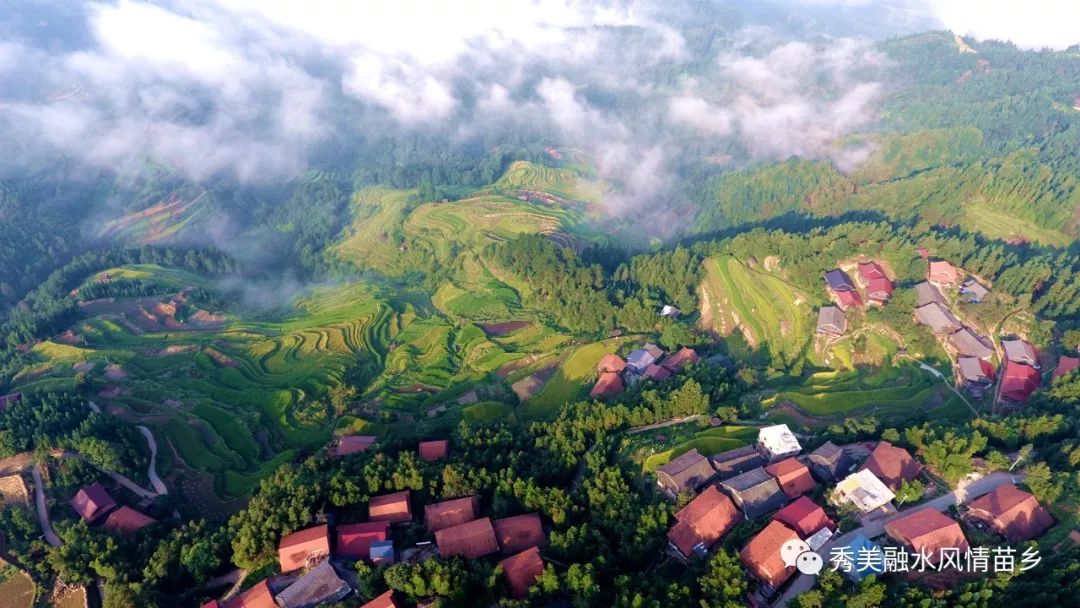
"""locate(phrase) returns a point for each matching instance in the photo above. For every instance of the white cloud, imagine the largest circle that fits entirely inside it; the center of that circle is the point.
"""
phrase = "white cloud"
(700, 115)
(1032, 24)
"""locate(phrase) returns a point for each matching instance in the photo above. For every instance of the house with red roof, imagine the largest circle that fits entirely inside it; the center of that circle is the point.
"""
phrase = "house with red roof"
(258, 596)
(519, 532)
(354, 540)
(1066, 365)
(472, 539)
(611, 364)
(680, 359)
(351, 444)
(702, 523)
(432, 451)
(927, 531)
(126, 521)
(297, 549)
(1012, 513)
(892, 465)
(793, 477)
(879, 291)
(394, 508)
(385, 600)
(940, 272)
(92, 502)
(805, 517)
(761, 556)
(847, 299)
(442, 515)
(869, 271)
(1018, 382)
(522, 570)
(657, 372)
(610, 384)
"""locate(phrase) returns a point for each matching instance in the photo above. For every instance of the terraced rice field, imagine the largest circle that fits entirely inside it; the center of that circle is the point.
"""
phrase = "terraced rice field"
(891, 392)
(710, 441)
(159, 222)
(761, 305)
(376, 233)
(565, 182)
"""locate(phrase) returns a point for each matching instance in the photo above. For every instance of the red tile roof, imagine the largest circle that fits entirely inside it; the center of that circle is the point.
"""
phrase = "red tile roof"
(92, 502)
(354, 540)
(1066, 365)
(258, 596)
(942, 272)
(1014, 513)
(448, 513)
(805, 517)
(880, 289)
(793, 476)
(611, 364)
(385, 600)
(126, 520)
(848, 299)
(519, 532)
(609, 385)
(211, 604)
(394, 508)
(295, 549)
(870, 271)
(434, 450)
(762, 554)
(682, 357)
(1019, 381)
(892, 465)
(472, 540)
(351, 444)
(927, 531)
(522, 570)
(704, 520)
(657, 372)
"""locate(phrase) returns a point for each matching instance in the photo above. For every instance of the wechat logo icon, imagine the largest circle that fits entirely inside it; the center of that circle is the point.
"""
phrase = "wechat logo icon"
(797, 554)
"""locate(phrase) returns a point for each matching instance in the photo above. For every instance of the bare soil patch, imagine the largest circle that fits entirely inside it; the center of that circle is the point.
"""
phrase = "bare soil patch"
(220, 358)
(115, 372)
(83, 367)
(499, 329)
(69, 337)
(529, 386)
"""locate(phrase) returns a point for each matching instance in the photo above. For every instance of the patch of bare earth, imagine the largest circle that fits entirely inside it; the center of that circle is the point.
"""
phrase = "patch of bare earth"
(529, 386)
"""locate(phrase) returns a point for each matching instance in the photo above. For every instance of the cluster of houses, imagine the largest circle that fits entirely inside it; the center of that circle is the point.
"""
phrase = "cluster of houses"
(771, 479)
(94, 504)
(649, 362)
(975, 372)
(846, 295)
(311, 559)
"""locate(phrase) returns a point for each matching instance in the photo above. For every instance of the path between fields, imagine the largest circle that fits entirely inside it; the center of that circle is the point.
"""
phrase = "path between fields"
(42, 509)
(962, 493)
(660, 425)
(151, 470)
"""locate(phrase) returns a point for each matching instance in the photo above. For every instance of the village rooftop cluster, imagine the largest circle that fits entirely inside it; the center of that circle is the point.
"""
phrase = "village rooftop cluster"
(772, 479)
(312, 561)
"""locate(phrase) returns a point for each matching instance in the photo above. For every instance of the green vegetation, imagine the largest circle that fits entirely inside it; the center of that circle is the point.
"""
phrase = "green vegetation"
(770, 312)
(710, 441)
(568, 383)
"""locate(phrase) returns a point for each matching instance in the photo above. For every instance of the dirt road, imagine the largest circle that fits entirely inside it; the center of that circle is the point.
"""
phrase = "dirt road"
(42, 508)
(151, 472)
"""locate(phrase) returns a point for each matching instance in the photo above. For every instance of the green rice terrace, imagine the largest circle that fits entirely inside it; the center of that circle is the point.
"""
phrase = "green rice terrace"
(770, 313)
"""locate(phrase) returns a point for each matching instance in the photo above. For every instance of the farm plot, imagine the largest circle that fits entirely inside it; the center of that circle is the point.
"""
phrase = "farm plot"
(16, 588)
(770, 313)
(654, 452)
(568, 383)
(376, 235)
(570, 183)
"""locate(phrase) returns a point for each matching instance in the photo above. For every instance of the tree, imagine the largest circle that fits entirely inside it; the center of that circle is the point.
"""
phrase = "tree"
(723, 585)
(910, 491)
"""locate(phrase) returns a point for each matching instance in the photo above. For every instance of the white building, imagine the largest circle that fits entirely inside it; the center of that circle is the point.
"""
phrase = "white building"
(864, 490)
(777, 443)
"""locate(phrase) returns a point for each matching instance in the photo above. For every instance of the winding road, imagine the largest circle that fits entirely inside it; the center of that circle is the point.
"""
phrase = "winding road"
(42, 508)
(963, 493)
(151, 471)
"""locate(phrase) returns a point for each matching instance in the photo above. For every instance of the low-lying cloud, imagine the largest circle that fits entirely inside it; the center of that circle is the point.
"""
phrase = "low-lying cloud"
(247, 89)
